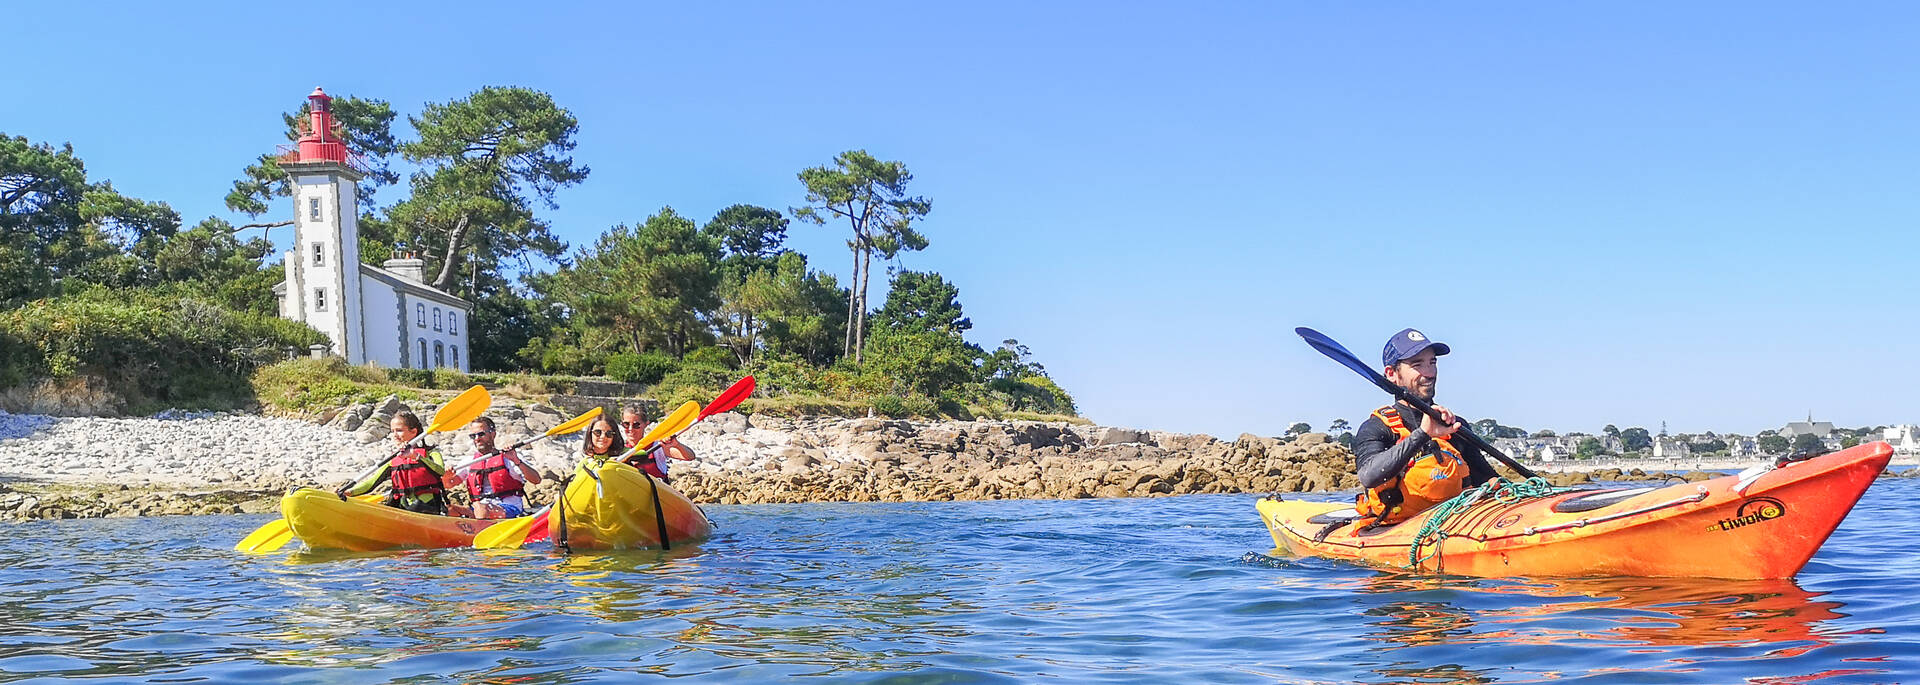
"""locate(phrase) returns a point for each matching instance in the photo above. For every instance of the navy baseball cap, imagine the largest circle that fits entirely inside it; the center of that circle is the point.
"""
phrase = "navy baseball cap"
(1407, 343)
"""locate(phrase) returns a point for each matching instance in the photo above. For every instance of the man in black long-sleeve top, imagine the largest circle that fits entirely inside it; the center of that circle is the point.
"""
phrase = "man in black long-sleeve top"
(1404, 471)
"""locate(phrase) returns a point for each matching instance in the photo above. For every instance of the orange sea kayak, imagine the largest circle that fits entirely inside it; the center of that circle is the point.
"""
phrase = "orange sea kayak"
(1765, 522)
(324, 521)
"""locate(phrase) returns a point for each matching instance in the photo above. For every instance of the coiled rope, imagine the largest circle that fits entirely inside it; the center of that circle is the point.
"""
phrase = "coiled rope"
(1499, 489)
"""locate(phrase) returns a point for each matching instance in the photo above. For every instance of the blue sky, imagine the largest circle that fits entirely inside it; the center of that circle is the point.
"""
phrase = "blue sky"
(1628, 213)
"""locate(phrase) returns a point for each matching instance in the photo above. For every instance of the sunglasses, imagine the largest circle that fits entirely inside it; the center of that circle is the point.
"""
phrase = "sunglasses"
(605, 432)
(634, 424)
(476, 434)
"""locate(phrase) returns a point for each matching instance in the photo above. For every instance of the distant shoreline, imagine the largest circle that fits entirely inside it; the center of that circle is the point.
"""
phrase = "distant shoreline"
(214, 463)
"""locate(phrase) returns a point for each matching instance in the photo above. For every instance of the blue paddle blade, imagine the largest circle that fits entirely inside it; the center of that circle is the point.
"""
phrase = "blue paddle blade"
(1336, 352)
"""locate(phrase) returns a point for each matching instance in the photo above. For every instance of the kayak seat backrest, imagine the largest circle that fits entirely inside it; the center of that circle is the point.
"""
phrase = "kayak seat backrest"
(1597, 499)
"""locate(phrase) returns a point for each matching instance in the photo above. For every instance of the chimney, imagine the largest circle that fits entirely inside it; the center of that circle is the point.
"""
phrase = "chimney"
(411, 268)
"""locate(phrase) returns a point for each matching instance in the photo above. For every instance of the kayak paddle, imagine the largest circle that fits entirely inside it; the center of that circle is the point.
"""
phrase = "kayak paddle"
(572, 425)
(1334, 351)
(459, 411)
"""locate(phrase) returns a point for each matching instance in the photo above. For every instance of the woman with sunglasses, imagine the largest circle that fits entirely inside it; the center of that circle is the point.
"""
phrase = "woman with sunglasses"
(654, 461)
(603, 441)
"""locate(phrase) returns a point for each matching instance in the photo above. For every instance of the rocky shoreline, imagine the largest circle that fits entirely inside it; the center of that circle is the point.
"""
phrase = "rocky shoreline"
(188, 463)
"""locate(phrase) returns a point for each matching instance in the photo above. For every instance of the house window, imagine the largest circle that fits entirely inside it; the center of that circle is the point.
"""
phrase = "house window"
(423, 353)
(439, 354)
(456, 355)
(319, 299)
(453, 327)
(436, 318)
(421, 311)
(319, 254)
(313, 209)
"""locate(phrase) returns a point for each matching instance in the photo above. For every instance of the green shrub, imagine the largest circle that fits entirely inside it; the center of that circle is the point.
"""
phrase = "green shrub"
(645, 369)
(153, 350)
(926, 363)
(448, 378)
(711, 356)
(691, 382)
(304, 384)
(412, 378)
(803, 405)
(782, 374)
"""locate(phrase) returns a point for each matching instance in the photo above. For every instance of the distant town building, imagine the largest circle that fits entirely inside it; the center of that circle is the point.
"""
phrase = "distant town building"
(1671, 448)
(389, 315)
(1818, 429)
(1905, 439)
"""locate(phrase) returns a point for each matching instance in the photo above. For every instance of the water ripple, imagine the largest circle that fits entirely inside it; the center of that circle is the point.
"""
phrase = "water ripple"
(1184, 588)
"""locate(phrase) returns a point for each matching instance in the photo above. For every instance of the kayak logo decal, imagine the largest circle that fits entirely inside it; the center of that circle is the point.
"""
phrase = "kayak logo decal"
(1751, 512)
(1508, 520)
(465, 527)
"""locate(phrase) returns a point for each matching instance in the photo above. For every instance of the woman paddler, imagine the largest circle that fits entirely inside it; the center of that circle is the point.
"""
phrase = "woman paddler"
(654, 460)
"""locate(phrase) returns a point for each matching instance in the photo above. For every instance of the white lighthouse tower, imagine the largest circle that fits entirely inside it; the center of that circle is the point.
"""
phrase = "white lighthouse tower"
(369, 313)
(323, 278)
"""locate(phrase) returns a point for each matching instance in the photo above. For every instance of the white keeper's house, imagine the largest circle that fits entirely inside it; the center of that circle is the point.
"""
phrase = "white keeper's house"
(384, 314)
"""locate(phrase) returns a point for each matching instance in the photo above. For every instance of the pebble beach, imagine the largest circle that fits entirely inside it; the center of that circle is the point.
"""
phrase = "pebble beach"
(212, 463)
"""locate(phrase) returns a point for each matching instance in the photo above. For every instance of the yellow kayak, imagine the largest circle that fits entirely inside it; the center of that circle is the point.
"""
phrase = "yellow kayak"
(324, 521)
(612, 506)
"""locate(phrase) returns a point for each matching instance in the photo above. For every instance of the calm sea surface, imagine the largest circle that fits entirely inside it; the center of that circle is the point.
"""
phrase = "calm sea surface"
(1136, 590)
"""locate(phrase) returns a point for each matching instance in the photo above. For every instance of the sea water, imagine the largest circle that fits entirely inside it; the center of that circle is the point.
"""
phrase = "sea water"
(1178, 589)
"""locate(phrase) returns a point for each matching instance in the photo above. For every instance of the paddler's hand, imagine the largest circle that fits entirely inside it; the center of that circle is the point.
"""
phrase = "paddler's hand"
(1438, 429)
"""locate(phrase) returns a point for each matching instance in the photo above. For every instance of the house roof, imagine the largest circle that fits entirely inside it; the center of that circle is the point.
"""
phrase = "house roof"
(415, 288)
(402, 284)
(1817, 428)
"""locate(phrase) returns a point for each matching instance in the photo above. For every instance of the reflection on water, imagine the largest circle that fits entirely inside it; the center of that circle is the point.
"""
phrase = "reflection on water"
(1124, 590)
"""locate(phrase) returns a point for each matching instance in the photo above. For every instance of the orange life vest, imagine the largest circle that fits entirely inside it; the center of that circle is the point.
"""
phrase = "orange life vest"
(1429, 479)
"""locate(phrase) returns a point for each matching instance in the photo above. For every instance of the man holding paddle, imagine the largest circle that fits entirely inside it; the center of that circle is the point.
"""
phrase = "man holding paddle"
(496, 481)
(1404, 471)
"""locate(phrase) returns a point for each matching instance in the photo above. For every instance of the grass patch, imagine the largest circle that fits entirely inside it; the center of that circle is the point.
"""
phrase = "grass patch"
(303, 386)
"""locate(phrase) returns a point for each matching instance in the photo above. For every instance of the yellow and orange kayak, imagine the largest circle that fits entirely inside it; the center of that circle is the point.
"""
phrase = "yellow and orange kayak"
(611, 506)
(1765, 522)
(324, 521)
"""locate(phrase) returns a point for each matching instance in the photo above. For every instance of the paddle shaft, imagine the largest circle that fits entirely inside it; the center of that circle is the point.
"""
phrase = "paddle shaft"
(1460, 429)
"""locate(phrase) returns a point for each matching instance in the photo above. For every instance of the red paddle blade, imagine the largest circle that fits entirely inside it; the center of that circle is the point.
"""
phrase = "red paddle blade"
(731, 398)
(538, 531)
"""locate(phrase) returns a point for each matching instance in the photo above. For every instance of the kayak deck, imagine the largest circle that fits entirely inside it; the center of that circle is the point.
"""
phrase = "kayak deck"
(1763, 523)
(324, 521)
(611, 506)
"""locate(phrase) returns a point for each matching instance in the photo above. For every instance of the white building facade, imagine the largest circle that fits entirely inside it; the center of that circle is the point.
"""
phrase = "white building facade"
(386, 315)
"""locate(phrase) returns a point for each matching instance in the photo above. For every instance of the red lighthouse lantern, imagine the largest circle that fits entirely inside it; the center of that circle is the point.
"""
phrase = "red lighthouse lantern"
(319, 144)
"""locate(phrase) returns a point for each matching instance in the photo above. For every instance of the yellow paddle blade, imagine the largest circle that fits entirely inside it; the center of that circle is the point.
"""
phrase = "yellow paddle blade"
(671, 426)
(508, 534)
(574, 425)
(461, 410)
(274, 535)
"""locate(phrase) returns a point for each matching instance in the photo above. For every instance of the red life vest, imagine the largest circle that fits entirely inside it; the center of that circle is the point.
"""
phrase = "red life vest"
(649, 461)
(1429, 479)
(409, 476)
(497, 478)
